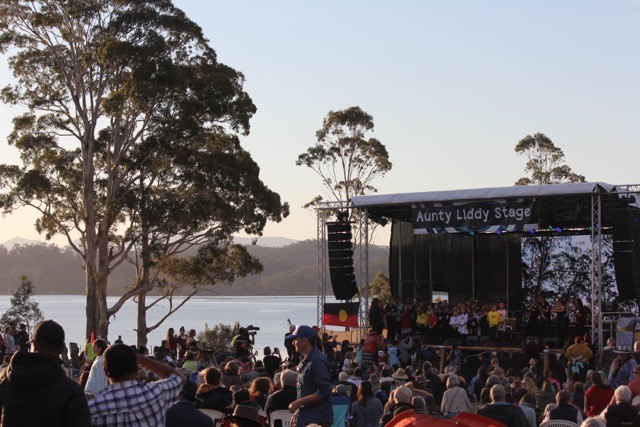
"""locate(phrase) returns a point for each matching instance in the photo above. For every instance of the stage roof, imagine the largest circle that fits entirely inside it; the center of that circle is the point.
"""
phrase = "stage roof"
(524, 191)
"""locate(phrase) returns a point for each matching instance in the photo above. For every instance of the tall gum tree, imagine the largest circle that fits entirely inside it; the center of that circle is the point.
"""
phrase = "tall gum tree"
(97, 79)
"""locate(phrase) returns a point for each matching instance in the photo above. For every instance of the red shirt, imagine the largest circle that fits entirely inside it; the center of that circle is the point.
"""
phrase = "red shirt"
(596, 399)
(635, 388)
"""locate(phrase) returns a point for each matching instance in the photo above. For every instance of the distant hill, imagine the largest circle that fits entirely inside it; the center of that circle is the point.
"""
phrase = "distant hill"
(9, 244)
(288, 270)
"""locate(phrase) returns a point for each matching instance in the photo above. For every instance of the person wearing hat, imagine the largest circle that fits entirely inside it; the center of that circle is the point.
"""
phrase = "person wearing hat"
(243, 416)
(34, 388)
(184, 411)
(621, 372)
(313, 404)
(400, 376)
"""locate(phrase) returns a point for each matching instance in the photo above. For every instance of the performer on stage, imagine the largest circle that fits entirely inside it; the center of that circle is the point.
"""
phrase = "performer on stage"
(544, 318)
(502, 324)
(580, 315)
(560, 310)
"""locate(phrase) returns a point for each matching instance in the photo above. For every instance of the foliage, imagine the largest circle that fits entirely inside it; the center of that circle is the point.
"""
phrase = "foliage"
(567, 269)
(23, 309)
(125, 102)
(219, 337)
(545, 162)
(346, 160)
(380, 287)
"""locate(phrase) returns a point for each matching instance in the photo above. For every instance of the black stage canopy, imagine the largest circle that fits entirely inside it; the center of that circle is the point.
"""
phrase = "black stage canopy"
(467, 242)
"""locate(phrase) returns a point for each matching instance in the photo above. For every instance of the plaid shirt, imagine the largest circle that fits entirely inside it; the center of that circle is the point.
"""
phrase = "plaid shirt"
(129, 403)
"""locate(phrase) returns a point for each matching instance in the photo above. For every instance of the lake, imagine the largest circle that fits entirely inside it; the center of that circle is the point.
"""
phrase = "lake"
(268, 312)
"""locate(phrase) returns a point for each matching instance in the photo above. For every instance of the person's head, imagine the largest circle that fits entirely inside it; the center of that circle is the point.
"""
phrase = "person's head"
(212, 376)
(341, 390)
(120, 363)
(289, 378)
(498, 372)
(452, 381)
(578, 387)
(547, 386)
(529, 399)
(181, 330)
(48, 338)
(23, 327)
(170, 333)
(357, 372)
(365, 390)
(529, 385)
(99, 346)
(231, 368)
(563, 397)
(593, 422)
(267, 351)
(491, 381)
(8, 330)
(578, 340)
(343, 376)
(419, 404)
(189, 391)
(304, 338)
(636, 372)
(402, 394)
(622, 394)
(597, 380)
(192, 333)
(497, 393)
(260, 386)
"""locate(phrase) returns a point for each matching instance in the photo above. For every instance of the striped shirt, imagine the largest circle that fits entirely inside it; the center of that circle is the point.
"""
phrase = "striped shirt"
(129, 403)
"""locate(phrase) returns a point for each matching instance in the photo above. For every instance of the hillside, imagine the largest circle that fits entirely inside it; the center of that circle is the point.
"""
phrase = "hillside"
(288, 270)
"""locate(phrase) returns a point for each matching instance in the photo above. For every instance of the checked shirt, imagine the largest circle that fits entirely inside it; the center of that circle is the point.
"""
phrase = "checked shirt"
(131, 404)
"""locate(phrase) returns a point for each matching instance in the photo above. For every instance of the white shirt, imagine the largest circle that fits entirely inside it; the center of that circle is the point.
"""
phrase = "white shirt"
(97, 380)
(9, 344)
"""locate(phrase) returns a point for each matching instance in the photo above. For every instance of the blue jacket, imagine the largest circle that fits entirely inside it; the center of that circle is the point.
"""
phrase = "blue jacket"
(313, 378)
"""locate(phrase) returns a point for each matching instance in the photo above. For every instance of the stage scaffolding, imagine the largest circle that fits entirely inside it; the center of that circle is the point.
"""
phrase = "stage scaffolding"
(360, 230)
(364, 207)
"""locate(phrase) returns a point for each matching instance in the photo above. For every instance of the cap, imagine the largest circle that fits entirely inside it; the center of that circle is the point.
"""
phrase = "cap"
(303, 331)
(48, 332)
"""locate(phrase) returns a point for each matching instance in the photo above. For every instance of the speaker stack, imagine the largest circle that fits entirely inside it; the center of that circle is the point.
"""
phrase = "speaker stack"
(343, 279)
(626, 233)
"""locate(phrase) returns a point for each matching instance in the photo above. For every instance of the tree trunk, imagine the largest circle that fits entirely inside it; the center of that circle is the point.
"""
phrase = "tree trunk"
(142, 319)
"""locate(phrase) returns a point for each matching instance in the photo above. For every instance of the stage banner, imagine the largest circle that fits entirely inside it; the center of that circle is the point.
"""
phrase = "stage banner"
(341, 314)
(486, 216)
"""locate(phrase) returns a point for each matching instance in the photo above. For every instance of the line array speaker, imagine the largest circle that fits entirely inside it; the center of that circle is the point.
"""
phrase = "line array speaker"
(343, 279)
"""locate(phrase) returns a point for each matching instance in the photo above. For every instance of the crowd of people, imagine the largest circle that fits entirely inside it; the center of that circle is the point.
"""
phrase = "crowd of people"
(438, 321)
(321, 381)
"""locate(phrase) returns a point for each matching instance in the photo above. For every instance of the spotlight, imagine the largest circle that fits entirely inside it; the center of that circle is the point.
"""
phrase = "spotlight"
(590, 228)
(472, 233)
(559, 229)
(550, 227)
(498, 231)
(532, 231)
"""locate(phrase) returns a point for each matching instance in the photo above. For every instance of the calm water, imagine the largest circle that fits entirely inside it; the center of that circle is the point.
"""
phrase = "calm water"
(268, 313)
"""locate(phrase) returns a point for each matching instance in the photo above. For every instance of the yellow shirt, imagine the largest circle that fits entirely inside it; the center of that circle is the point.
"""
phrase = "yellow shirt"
(493, 317)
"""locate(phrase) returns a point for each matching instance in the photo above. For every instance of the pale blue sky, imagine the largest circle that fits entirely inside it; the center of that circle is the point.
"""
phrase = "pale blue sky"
(452, 86)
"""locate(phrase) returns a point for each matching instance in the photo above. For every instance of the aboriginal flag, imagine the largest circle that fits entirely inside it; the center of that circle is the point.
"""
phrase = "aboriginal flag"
(341, 314)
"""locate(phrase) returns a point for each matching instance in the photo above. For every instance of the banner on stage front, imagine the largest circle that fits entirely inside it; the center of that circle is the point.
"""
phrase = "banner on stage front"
(486, 216)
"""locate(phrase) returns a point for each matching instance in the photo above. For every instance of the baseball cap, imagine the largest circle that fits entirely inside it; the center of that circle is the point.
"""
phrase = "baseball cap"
(48, 332)
(303, 331)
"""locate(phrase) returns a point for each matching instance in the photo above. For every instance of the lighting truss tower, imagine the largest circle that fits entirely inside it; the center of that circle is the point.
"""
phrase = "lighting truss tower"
(324, 210)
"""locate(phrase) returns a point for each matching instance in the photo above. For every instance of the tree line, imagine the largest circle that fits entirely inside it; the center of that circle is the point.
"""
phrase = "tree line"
(287, 270)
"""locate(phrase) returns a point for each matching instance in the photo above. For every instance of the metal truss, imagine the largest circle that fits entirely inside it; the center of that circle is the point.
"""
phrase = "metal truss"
(325, 210)
(596, 268)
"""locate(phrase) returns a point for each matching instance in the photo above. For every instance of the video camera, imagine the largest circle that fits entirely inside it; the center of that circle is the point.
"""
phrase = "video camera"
(252, 330)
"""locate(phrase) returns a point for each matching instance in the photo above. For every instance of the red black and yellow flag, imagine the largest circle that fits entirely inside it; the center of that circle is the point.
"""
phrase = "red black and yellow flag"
(341, 314)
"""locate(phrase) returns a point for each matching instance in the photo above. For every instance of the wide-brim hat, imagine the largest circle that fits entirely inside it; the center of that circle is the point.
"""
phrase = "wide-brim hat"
(622, 349)
(244, 413)
(400, 375)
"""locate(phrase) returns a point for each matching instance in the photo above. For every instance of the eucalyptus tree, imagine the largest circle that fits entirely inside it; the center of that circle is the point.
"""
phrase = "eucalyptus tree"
(101, 82)
(545, 162)
(345, 157)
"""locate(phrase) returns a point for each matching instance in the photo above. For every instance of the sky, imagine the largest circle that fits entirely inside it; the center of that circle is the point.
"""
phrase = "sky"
(452, 87)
